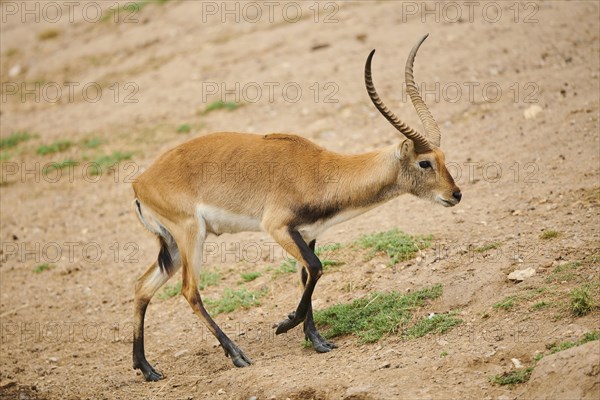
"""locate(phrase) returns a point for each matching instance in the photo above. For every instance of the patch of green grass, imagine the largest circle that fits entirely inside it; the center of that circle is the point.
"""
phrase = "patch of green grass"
(48, 168)
(443, 354)
(556, 347)
(184, 128)
(397, 245)
(327, 248)
(220, 105)
(108, 161)
(506, 303)
(208, 278)
(581, 301)
(41, 268)
(588, 337)
(250, 276)
(534, 292)
(286, 267)
(92, 143)
(4, 156)
(512, 377)
(528, 294)
(233, 300)
(439, 323)
(374, 316)
(48, 34)
(14, 139)
(564, 272)
(55, 147)
(487, 247)
(540, 304)
(170, 291)
(330, 263)
(549, 234)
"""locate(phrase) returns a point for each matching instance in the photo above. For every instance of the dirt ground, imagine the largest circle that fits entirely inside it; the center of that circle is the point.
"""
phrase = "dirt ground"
(514, 86)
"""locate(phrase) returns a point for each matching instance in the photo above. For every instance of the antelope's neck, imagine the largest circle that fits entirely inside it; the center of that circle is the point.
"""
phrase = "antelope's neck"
(364, 180)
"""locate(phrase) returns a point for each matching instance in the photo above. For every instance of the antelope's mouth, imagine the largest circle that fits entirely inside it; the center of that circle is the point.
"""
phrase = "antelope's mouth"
(445, 202)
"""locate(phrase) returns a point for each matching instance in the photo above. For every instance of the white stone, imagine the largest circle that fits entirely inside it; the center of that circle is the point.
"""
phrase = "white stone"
(521, 275)
(532, 112)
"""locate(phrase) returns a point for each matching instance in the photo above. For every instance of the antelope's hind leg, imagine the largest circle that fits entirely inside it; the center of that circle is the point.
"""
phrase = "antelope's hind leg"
(191, 261)
(159, 272)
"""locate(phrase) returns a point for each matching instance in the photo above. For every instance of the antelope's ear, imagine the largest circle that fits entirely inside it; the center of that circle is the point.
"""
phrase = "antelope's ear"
(405, 149)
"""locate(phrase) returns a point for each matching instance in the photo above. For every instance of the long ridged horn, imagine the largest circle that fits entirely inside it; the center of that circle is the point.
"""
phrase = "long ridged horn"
(420, 142)
(432, 130)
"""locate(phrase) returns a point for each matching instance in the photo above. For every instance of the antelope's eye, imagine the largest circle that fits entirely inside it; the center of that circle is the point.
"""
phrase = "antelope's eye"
(424, 164)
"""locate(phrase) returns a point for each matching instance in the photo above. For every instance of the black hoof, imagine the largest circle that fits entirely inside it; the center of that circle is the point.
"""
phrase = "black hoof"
(150, 374)
(153, 376)
(287, 324)
(320, 345)
(324, 347)
(241, 360)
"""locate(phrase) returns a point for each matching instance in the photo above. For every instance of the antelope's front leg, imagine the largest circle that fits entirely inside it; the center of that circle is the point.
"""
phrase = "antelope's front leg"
(291, 240)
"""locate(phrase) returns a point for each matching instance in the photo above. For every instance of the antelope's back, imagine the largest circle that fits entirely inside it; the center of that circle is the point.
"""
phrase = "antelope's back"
(239, 172)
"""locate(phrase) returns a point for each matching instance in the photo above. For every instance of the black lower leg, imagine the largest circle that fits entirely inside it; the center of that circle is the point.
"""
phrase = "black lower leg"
(310, 330)
(139, 357)
(237, 356)
(313, 263)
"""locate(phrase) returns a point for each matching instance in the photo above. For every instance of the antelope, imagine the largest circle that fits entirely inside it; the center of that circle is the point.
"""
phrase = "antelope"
(196, 189)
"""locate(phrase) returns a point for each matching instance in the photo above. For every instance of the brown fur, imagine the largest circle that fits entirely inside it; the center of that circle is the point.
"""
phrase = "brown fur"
(267, 176)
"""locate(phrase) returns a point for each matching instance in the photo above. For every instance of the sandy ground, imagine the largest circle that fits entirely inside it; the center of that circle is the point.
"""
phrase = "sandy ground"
(134, 78)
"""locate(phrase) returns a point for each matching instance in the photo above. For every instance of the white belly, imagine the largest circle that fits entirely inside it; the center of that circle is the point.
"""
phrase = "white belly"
(220, 221)
(312, 231)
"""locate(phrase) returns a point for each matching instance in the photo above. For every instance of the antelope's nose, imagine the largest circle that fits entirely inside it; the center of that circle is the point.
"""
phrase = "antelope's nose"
(457, 195)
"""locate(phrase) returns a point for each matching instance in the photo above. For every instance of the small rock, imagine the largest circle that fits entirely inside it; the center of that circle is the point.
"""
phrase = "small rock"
(252, 398)
(385, 365)
(220, 392)
(14, 71)
(491, 353)
(521, 275)
(181, 353)
(516, 363)
(532, 112)
(53, 359)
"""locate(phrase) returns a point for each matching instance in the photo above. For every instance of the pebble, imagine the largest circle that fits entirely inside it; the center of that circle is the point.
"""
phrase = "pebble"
(53, 359)
(385, 365)
(532, 112)
(14, 71)
(181, 353)
(516, 363)
(521, 275)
